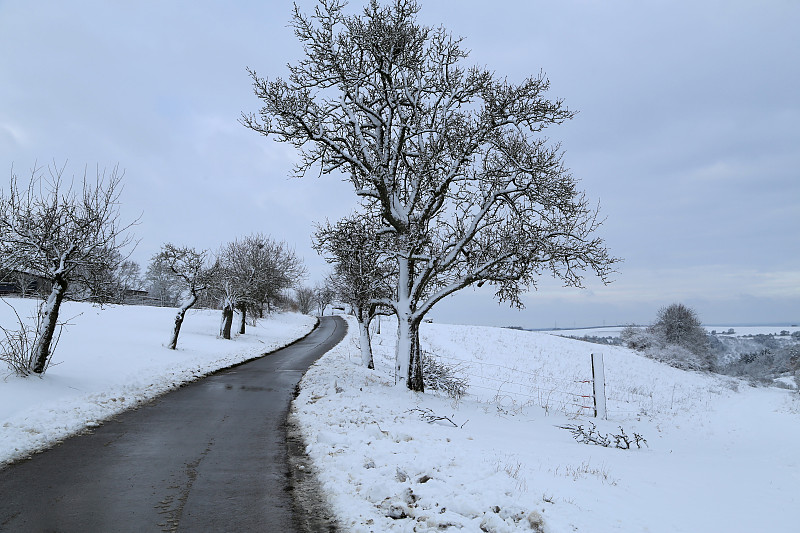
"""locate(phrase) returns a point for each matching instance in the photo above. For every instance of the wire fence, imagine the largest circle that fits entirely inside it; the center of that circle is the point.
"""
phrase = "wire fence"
(549, 392)
(504, 385)
(511, 387)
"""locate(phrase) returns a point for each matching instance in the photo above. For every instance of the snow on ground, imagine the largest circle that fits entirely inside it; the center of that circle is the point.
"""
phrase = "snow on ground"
(112, 359)
(605, 331)
(721, 456)
(738, 331)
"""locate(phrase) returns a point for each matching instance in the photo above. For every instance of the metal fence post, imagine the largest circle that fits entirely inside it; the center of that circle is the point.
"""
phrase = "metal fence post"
(599, 386)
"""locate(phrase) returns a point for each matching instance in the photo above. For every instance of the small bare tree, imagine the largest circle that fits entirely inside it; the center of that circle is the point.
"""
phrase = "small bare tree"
(323, 295)
(189, 267)
(162, 284)
(127, 277)
(62, 230)
(283, 270)
(363, 273)
(305, 299)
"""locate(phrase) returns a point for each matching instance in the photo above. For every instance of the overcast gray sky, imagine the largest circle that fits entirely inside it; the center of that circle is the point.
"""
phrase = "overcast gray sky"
(688, 134)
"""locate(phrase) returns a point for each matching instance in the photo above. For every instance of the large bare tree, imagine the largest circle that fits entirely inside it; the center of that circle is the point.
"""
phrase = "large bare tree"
(452, 159)
(61, 229)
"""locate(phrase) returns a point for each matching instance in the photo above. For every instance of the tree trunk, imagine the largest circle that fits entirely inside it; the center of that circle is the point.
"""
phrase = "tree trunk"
(227, 321)
(408, 356)
(415, 376)
(173, 343)
(365, 342)
(243, 317)
(408, 361)
(47, 326)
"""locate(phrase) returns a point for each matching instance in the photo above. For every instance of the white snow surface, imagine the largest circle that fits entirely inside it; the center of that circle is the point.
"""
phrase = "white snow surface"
(720, 456)
(112, 359)
(739, 331)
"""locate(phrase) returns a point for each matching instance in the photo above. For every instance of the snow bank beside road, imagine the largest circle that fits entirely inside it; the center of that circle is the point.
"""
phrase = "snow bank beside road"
(112, 359)
(386, 469)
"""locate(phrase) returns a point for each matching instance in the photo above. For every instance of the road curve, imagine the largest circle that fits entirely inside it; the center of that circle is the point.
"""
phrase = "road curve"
(210, 456)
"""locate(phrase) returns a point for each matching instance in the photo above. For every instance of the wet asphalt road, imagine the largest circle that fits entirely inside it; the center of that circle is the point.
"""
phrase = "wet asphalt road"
(210, 456)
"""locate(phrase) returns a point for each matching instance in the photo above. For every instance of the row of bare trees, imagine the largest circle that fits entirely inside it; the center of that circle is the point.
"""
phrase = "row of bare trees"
(67, 234)
(247, 275)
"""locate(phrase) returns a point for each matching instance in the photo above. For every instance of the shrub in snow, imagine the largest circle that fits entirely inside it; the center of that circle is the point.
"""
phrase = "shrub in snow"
(429, 416)
(17, 346)
(679, 325)
(637, 338)
(679, 357)
(594, 339)
(645, 341)
(444, 377)
(676, 338)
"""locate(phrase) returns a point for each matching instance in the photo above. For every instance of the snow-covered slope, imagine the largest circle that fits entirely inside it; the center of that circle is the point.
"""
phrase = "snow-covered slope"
(112, 359)
(721, 456)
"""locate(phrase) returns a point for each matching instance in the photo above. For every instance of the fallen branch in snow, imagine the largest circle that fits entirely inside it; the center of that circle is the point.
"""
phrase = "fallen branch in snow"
(591, 436)
(429, 416)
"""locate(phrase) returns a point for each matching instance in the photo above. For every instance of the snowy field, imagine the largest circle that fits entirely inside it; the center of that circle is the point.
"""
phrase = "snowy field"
(113, 359)
(739, 331)
(720, 456)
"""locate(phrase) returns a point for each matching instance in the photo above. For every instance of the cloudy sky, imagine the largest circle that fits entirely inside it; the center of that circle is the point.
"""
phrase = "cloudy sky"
(688, 134)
